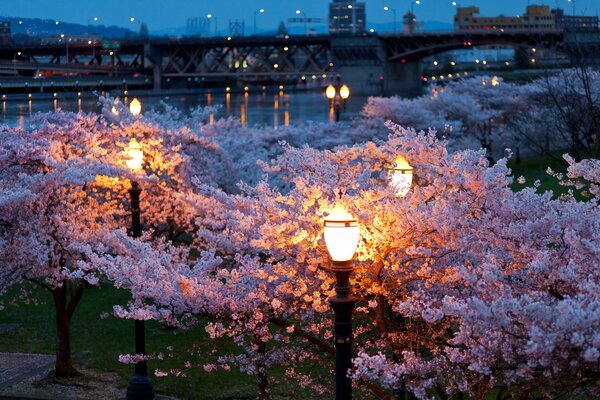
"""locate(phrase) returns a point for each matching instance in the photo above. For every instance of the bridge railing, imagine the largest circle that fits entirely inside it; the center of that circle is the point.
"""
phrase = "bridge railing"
(454, 32)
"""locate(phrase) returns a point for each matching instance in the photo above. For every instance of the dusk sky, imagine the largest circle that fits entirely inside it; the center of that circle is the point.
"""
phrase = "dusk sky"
(164, 14)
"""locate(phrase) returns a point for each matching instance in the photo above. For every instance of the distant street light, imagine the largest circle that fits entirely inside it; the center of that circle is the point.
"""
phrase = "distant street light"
(393, 10)
(212, 16)
(259, 11)
(299, 12)
(337, 99)
(135, 107)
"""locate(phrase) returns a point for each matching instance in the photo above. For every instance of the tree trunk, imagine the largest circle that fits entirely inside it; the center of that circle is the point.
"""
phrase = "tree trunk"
(64, 311)
(263, 381)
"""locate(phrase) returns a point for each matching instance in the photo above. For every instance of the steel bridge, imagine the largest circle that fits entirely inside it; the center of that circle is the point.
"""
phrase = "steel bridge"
(259, 58)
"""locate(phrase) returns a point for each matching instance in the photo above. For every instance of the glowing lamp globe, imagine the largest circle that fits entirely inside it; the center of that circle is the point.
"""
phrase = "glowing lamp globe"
(401, 176)
(344, 92)
(341, 234)
(136, 155)
(135, 107)
(330, 92)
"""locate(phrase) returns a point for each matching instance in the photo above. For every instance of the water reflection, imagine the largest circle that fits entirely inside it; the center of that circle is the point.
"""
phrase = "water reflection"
(261, 107)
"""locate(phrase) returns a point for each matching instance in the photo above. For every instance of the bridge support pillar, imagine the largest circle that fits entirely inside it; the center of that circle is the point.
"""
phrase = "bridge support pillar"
(403, 78)
(156, 59)
(363, 65)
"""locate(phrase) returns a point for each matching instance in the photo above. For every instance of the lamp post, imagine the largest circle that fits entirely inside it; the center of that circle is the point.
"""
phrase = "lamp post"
(393, 10)
(300, 12)
(212, 16)
(401, 176)
(341, 233)
(140, 386)
(259, 11)
(336, 101)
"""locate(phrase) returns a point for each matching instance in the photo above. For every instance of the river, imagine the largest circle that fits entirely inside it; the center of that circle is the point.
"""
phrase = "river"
(258, 108)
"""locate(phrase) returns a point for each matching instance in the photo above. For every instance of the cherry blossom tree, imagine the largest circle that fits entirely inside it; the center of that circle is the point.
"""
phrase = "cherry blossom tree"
(466, 286)
(64, 197)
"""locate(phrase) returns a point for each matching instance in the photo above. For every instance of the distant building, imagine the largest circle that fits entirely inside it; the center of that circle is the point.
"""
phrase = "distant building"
(409, 23)
(535, 17)
(538, 17)
(5, 34)
(574, 22)
(347, 18)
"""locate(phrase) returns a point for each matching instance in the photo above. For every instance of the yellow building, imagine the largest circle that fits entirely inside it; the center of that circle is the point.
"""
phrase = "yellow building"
(536, 17)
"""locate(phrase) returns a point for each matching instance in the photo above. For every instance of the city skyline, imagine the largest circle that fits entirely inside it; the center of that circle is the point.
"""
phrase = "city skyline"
(130, 14)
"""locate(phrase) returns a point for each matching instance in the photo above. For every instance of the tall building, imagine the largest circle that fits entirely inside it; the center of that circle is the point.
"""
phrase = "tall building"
(347, 18)
(574, 22)
(535, 17)
(5, 34)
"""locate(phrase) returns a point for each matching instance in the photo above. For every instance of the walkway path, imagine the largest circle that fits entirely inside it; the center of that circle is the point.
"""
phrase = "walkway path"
(17, 366)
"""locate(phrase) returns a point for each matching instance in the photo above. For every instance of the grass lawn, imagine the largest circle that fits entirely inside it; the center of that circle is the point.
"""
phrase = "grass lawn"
(534, 168)
(97, 343)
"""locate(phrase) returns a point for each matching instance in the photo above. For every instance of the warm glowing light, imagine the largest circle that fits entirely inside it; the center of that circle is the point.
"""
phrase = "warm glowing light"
(136, 155)
(341, 234)
(135, 107)
(401, 176)
(330, 92)
(495, 81)
(228, 89)
(344, 92)
(246, 88)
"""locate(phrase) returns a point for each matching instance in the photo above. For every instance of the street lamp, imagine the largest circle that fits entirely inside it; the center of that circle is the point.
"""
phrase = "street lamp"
(140, 386)
(299, 12)
(212, 16)
(393, 10)
(341, 234)
(334, 99)
(344, 94)
(401, 176)
(259, 11)
(135, 107)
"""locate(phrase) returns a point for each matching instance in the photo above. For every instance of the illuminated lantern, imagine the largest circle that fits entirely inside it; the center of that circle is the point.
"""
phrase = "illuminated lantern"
(401, 176)
(330, 92)
(136, 155)
(135, 107)
(341, 234)
(344, 92)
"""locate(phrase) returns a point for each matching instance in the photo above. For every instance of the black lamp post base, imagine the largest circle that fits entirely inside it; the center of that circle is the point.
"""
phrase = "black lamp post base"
(140, 388)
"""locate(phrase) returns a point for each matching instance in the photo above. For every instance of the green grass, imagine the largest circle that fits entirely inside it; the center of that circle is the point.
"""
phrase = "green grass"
(97, 343)
(534, 168)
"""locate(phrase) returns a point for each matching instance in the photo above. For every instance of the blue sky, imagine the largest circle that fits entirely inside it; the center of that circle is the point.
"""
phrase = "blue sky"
(164, 14)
